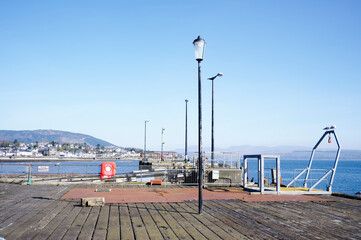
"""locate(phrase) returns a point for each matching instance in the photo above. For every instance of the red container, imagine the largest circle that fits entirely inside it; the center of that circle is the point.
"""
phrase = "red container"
(107, 170)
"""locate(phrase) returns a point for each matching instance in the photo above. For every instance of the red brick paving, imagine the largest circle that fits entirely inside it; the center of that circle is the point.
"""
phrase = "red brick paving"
(147, 195)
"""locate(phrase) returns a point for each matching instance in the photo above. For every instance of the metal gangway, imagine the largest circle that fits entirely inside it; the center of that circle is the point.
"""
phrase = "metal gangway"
(332, 171)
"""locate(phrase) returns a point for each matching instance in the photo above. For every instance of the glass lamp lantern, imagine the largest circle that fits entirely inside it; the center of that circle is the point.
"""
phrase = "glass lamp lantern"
(199, 45)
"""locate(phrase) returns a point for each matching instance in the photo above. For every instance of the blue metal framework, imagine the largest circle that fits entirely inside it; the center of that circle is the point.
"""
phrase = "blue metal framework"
(332, 171)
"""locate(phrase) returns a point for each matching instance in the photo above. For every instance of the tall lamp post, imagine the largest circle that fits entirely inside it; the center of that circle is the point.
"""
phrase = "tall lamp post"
(145, 140)
(185, 148)
(212, 139)
(199, 45)
(161, 152)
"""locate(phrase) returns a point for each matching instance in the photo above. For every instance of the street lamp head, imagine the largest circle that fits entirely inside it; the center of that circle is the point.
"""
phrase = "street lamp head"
(218, 75)
(199, 45)
(186, 100)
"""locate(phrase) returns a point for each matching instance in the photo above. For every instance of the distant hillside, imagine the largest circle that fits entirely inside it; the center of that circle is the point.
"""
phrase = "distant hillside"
(286, 152)
(323, 155)
(28, 136)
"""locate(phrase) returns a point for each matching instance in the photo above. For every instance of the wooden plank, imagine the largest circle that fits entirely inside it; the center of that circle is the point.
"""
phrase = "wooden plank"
(25, 221)
(7, 207)
(18, 211)
(89, 224)
(341, 211)
(140, 231)
(242, 224)
(172, 223)
(59, 192)
(78, 223)
(325, 221)
(126, 229)
(114, 226)
(26, 198)
(36, 227)
(150, 220)
(345, 202)
(182, 221)
(210, 225)
(211, 220)
(275, 219)
(192, 216)
(37, 214)
(163, 226)
(296, 221)
(278, 213)
(264, 222)
(293, 225)
(102, 224)
(60, 231)
(57, 220)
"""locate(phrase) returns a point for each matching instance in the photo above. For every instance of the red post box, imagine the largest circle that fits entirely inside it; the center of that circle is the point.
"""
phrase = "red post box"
(107, 170)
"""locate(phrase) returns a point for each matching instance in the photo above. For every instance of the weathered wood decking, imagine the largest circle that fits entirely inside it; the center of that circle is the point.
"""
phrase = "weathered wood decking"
(37, 212)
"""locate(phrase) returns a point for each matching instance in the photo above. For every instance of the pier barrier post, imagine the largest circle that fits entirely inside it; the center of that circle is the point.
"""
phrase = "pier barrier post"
(29, 174)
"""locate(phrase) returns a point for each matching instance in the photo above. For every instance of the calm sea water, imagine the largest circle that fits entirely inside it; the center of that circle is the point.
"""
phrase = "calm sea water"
(347, 178)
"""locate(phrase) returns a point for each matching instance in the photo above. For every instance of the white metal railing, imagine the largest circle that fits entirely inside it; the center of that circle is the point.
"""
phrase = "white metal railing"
(315, 177)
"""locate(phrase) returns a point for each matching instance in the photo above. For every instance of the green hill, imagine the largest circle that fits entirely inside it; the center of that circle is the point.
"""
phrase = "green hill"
(32, 136)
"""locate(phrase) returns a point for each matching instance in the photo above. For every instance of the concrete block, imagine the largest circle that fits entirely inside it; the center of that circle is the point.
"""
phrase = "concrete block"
(93, 202)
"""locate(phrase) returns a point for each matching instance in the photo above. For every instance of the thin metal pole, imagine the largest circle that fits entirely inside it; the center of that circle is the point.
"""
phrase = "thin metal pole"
(200, 160)
(212, 142)
(311, 158)
(145, 140)
(161, 152)
(212, 138)
(335, 164)
(186, 134)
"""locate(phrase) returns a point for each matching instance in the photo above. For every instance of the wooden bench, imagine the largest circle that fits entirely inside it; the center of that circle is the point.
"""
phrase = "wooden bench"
(156, 182)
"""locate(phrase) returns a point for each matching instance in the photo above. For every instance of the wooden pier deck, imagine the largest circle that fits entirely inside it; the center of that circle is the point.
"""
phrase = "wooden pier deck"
(37, 212)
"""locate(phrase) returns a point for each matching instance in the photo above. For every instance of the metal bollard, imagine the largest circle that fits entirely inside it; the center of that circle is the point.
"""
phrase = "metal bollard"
(29, 174)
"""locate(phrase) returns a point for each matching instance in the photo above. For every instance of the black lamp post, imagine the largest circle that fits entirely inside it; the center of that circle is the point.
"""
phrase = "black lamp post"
(185, 148)
(145, 140)
(212, 139)
(199, 45)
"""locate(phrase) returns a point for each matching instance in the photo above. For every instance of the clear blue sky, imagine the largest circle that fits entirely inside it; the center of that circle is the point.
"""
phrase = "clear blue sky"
(103, 67)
